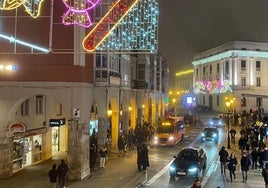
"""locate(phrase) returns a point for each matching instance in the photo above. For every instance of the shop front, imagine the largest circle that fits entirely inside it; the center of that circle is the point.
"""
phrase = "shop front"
(27, 145)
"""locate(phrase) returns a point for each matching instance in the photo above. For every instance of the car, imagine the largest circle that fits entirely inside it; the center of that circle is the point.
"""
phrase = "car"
(215, 122)
(189, 162)
(210, 134)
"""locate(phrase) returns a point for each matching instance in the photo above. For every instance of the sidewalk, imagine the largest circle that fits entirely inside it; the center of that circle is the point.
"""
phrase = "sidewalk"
(255, 179)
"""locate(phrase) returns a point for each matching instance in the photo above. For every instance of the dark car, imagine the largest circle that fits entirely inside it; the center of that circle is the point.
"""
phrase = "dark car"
(210, 134)
(190, 162)
(215, 122)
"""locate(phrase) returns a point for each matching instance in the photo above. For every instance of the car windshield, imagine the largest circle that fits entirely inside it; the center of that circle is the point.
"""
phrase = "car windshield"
(215, 119)
(209, 130)
(165, 129)
(188, 155)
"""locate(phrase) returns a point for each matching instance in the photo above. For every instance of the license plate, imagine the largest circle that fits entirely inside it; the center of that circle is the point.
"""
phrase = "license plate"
(181, 173)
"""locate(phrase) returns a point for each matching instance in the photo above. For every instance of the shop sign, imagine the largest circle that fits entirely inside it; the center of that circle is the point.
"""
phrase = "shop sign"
(17, 127)
(56, 122)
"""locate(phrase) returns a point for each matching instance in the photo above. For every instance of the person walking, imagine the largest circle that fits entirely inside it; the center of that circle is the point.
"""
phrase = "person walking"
(197, 183)
(62, 171)
(265, 175)
(223, 158)
(103, 155)
(254, 157)
(233, 133)
(232, 162)
(142, 157)
(245, 164)
(53, 174)
(264, 156)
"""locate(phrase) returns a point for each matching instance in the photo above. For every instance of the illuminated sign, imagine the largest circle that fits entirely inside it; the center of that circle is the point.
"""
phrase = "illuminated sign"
(77, 13)
(56, 122)
(32, 7)
(106, 25)
(214, 86)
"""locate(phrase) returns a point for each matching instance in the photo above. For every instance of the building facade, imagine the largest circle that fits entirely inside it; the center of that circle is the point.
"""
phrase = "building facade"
(235, 70)
(52, 100)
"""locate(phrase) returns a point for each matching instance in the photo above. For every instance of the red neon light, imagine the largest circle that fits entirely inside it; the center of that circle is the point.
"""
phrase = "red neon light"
(113, 17)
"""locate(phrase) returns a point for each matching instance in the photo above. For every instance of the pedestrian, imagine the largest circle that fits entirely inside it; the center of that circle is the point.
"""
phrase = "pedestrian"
(53, 174)
(254, 157)
(232, 162)
(233, 132)
(103, 155)
(223, 158)
(264, 156)
(197, 183)
(142, 157)
(62, 171)
(265, 175)
(93, 156)
(245, 164)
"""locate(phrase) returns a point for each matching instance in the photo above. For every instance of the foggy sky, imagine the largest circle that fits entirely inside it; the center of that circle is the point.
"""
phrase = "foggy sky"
(191, 26)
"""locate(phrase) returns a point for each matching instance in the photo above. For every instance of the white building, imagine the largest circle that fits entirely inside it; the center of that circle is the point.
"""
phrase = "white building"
(237, 69)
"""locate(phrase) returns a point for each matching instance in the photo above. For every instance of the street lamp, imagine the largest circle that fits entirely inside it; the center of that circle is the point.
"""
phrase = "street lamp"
(228, 103)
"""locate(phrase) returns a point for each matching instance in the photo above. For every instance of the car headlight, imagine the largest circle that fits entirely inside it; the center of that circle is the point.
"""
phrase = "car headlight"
(211, 123)
(155, 138)
(172, 168)
(193, 169)
(202, 134)
(171, 138)
(214, 135)
(220, 123)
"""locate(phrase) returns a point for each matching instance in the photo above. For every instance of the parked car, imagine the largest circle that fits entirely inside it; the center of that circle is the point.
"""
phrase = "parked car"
(210, 134)
(189, 162)
(215, 122)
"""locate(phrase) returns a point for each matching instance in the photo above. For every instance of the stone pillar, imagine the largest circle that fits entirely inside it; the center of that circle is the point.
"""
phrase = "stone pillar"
(102, 132)
(139, 116)
(6, 157)
(78, 155)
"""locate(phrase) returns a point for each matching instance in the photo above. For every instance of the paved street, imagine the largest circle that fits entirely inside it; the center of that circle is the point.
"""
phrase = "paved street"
(120, 171)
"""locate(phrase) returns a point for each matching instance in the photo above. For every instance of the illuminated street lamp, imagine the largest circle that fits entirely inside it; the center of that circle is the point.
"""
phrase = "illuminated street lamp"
(228, 103)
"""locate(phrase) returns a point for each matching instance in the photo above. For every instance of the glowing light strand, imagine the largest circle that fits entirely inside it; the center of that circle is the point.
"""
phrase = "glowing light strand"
(17, 41)
(32, 7)
(143, 21)
(77, 13)
(111, 19)
(212, 87)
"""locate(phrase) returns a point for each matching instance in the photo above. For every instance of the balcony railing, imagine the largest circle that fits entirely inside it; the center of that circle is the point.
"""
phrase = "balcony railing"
(240, 87)
(139, 84)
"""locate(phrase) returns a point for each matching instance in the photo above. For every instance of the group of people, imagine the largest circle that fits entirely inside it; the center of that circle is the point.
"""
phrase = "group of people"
(58, 174)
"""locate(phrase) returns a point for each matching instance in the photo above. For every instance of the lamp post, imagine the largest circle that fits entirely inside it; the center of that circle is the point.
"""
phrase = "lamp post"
(227, 103)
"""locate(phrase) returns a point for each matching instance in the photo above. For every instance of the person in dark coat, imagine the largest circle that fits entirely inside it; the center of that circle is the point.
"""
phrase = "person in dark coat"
(223, 158)
(264, 155)
(232, 162)
(265, 175)
(254, 157)
(197, 183)
(92, 155)
(245, 164)
(142, 157)
(53, 174)
(62, 171)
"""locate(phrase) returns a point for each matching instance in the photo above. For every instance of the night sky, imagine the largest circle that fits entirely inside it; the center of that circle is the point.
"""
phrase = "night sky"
(191, 26)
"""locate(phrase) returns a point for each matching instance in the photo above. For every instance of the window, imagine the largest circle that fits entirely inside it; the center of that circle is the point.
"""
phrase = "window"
(24, 108)
(258, 65)
(39, 104)
(243, 81)
(218, 100)
(243, 65)
(258, 81)
(210, 69)
(196, 72)
(218, 68)
(58, 109)
(204, 70)
(227, 67)
(204, 100)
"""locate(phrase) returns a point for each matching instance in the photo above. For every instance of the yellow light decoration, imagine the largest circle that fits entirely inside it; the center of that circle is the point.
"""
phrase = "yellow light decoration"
(185, 72)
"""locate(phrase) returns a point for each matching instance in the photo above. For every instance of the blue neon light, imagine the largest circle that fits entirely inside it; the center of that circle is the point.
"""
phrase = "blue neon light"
(11, 39)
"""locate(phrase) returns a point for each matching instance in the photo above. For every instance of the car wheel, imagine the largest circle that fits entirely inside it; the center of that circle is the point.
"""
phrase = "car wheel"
(172, 178)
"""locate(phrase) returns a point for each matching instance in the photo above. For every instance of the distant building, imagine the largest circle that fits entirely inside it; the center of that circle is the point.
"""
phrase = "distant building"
(235, 70)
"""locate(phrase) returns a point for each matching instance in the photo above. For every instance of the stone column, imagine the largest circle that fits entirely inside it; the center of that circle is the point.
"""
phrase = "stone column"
(6, 157)
(78, 155)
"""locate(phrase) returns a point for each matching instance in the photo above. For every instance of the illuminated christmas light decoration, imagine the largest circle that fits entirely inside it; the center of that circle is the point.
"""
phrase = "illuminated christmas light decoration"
(184, 72)
(137, 31)
(212, 87)
(77, 12)
(17, 41)
(32, 7)
(107, 24)
(8, 67)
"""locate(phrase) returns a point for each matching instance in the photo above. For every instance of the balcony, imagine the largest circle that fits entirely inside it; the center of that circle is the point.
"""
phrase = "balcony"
(139, 84)
(240, 87)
